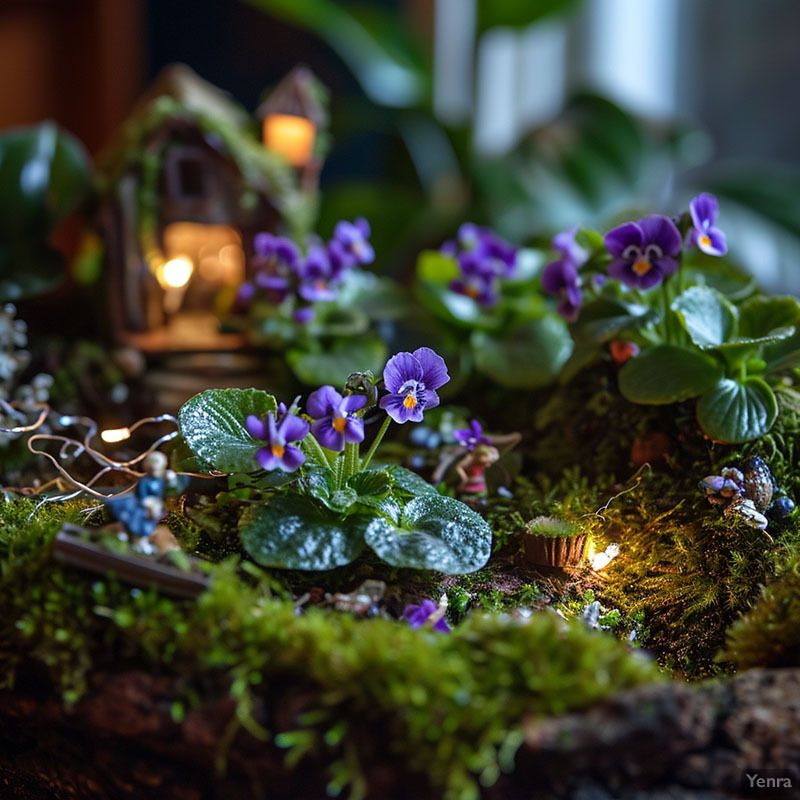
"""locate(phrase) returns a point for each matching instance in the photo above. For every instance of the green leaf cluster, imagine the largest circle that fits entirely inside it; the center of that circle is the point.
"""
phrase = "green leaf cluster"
(335, 511)
(519, 342)
(698, 344)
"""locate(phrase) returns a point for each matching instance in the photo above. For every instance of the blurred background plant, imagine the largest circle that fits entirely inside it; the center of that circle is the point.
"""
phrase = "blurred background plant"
(532, 116)
(526, 115)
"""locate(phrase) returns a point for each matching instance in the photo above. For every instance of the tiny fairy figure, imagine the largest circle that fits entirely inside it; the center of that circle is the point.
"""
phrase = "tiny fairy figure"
(471, 469)
(473, 455)
(141, 510)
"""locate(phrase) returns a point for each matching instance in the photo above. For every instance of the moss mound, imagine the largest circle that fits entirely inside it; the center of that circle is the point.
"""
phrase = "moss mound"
(768, 635)
(451, 706)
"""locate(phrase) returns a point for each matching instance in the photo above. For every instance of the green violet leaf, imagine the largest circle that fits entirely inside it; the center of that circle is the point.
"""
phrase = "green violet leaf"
(668, 374)
(291, 532)
(435, 532)
(213, 425)
(736, 412)
(708, 316)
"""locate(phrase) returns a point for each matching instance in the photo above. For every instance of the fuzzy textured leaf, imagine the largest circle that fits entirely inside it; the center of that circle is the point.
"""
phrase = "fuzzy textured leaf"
(435, 532)
(292, 533)
(213, 425)
(735, 412)
(408, 482)
(708, 316)
(371, 487)
(668, 374)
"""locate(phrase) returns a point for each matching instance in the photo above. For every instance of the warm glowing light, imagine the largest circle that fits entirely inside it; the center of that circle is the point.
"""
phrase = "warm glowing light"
(291, 136)
(115, 435)
(600, 561)
(214, 250)
(176, 272)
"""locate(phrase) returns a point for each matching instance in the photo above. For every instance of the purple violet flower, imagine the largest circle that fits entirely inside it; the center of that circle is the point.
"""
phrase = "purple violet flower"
(302, 315)
(334, 417)
(560, 278)
(411, 380)
(645, 252)
(418, 616)
(278, 434)
(351, 242)
(317, 277)
(483, 258)
(276, 261)
(472, 436)
(476, 281)
(704, 210)
(566, 244)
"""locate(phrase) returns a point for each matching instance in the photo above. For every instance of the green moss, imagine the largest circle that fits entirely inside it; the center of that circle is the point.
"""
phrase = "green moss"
(768, 635)
(451, 706)
(688, 569)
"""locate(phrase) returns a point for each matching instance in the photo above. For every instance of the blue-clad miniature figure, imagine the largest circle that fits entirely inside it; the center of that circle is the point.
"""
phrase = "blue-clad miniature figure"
(141, 510)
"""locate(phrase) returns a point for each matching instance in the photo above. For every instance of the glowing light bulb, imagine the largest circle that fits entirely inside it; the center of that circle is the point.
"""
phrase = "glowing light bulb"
(177, 271)
(115, 435)
(600, 561)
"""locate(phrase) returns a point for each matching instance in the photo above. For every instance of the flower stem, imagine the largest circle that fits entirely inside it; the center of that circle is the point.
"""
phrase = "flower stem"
(338, 471)
(374, 447)
(667, 319)
(350, 460)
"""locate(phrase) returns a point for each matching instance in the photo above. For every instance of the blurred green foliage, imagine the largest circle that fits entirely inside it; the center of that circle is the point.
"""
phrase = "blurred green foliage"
(44, 176)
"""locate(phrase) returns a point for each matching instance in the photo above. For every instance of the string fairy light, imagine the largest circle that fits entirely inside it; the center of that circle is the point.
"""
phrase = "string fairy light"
(72, 448)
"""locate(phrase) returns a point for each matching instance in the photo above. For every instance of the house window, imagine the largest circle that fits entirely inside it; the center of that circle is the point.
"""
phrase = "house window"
(191, 177)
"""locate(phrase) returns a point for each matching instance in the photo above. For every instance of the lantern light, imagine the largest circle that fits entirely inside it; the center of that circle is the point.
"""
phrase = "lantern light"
(292, 116)
(600, 561)
(291, 136)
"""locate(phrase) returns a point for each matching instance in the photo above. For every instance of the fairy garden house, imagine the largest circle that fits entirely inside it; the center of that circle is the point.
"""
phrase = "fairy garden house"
(184, 187)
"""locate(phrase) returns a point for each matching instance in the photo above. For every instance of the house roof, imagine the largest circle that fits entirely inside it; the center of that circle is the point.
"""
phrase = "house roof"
(179, 96)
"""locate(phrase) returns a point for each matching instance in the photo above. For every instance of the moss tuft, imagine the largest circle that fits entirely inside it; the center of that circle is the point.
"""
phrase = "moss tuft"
(768, 635)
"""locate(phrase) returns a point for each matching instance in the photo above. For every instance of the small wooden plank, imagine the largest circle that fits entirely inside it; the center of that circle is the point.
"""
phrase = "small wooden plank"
(72, 549)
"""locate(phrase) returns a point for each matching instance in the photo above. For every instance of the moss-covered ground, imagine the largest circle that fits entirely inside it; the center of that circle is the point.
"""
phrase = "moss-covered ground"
(451, 706)
(705, 593)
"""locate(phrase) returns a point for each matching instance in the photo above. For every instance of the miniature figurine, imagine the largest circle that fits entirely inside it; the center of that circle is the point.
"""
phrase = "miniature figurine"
(141, 510)
(749, 493)
(471, 469)
(474, 454)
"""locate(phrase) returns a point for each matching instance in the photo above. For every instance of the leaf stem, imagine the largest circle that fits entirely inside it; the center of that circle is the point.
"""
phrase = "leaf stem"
(374, 447)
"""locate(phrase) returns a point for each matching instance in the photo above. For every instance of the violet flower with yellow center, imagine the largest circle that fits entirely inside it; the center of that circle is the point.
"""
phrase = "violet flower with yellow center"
(704, 210)
(411, 380)
(645, 252)
(334, 417)
(279, 453)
